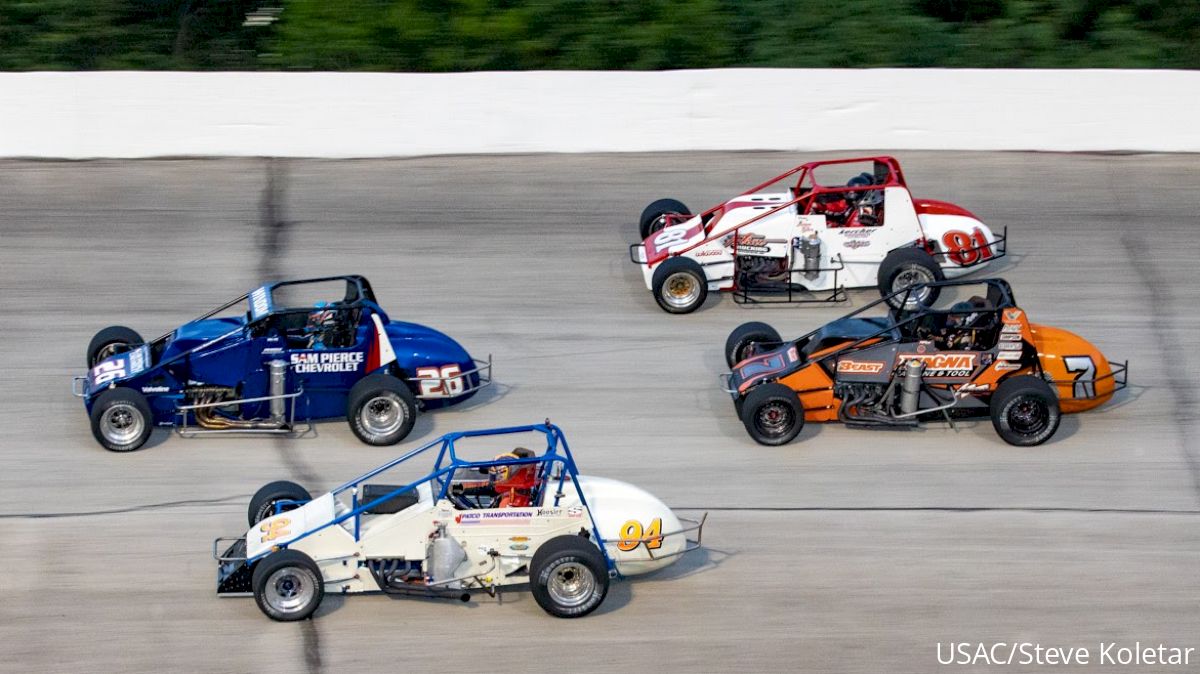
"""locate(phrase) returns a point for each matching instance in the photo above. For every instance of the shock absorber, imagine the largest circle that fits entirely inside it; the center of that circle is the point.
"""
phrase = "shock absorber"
(910, 390)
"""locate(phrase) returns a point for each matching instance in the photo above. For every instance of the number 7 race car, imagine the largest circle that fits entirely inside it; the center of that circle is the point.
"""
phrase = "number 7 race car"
(808, 238)
(296, 350)
(466, 527)
(975, 353)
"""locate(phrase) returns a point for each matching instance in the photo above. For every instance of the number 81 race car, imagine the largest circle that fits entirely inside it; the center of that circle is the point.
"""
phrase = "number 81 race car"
(466, 527)
(295, 350)
(810, 237)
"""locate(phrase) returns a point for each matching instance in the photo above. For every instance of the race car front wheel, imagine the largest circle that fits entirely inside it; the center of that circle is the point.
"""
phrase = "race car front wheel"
(288, 585)
(121, 419)
(568, 577)
(1025, 411)
(908, 267)
(262, 504)
(652, 216)
(772, 414)
(381, 410)
(110, 341)
(680, 286)
(747, 339)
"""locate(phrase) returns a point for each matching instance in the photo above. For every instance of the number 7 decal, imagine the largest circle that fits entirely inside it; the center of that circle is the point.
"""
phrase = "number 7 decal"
(1085, 381)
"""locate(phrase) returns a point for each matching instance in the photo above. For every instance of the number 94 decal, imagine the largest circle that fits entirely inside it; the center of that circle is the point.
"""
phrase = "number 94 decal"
(634, 534)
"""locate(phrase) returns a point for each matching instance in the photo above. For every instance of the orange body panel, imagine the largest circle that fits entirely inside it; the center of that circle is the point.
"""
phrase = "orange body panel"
(1055, 346)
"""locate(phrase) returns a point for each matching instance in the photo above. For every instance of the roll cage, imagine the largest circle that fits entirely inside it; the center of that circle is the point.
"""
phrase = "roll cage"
(556, 471)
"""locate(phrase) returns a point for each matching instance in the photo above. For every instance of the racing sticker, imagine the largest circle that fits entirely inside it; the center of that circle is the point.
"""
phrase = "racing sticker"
(276, 528)
(748, 242)
(441, 382)
(668, 238)
(966, 249)
(860, 366)
(260, 303)
(634, 534)
(494, 517)
(1084, 369)
(940, 364)
(325, 362)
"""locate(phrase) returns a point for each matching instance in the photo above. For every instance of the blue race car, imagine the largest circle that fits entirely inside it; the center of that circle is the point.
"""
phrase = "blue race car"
(282, 353)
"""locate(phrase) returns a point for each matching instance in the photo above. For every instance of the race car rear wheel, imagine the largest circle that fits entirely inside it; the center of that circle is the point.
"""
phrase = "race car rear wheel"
(748, 338)
(262, 504)
(121, 419)
(381, 410)
(651, 220)
(908, 267)
(288, 585)
(680, 286)
(568, 577)
(110, 341)
(772, 414)
(1025, 411)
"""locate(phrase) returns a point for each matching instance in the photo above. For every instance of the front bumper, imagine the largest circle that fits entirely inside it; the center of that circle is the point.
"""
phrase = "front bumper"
(233, 573)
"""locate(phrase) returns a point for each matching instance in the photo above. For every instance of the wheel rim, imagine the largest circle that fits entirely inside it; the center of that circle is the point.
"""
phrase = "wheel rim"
(571, 584)
(911, 276)
(680, 290)
(121, 424)
(268, 510)
(1029, 416)
(383, 414)
(290, 589)
(774, 419)
(109, 350)
(657, 224)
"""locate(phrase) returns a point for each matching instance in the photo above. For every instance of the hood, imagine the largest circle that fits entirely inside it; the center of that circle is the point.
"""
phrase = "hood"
(190, 335)
(935, 207)
(766, 366)
(1082, 375)
(674, 237)
(418, 344)
(622, 510)
(118, 368)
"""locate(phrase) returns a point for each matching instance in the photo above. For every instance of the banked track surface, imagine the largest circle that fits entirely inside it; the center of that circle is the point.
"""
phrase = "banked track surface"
(848, 550)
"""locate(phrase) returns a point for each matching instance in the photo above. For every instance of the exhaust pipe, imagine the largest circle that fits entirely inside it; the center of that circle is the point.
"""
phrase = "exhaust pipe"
(207, 417)
(278, 378)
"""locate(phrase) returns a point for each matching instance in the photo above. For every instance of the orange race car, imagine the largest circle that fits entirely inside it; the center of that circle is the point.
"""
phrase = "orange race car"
(970, 352)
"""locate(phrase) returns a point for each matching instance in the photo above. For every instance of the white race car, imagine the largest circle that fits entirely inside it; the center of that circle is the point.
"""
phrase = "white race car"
(468, 526)
(810, 241)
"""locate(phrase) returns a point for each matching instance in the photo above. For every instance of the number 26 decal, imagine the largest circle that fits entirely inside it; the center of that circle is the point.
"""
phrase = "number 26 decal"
(443, 382)
(966, 249)
(633, 535)
(108, 371)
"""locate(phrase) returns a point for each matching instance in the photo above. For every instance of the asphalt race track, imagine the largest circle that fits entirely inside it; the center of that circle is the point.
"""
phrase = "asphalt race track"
(848, 550)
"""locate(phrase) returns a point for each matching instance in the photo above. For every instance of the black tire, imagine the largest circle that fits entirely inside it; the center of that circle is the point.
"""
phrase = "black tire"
(567, 565)
(737, 345)
(284, 577)
(772, 414)
(111, 341)
(381, 410)
(651, 222)
(1025, 411)
(904, 267)
(121, 419)
(679, 285)
(262, 504)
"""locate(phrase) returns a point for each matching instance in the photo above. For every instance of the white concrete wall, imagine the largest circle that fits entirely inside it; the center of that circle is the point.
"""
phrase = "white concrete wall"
(147, 114)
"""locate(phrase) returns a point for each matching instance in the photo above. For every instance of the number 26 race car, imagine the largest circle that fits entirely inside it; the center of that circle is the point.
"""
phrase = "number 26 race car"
(809, 240)
(973, 353)
(468, 526)
(282, 353)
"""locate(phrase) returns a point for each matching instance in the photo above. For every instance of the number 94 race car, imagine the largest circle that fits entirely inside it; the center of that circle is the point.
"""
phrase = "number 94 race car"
(282, 353)
(466, 527)
(971, 353)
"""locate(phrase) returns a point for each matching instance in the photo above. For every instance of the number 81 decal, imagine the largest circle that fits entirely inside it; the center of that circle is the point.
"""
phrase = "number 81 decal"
(633, 535)
(967, 249)
(441, 382)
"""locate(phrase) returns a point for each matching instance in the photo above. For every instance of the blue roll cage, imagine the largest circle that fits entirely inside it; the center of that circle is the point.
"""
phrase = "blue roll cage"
(448, 463)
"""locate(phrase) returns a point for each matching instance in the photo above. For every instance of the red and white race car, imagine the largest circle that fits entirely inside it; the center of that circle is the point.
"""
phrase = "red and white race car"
(809, 241)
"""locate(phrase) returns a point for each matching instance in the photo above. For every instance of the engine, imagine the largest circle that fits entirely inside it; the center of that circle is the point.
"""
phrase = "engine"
(759, 270)
(211, 413)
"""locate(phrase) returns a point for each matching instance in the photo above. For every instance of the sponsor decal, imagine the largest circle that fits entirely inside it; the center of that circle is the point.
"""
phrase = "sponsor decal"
(518, 546)
(857, 243)
(273, 349)
(855, 232)
(1003, 366)
(1011, 346)
(260, 303)
(1009, 355)
(1010, 328)
(549, 512)
(747, 242)
(325, 362)
(793, 355)
(155, 389)
(494, 517)
(1012, 314)
(954, 364)
(1011, 336)
(708, 253)
(860, 366)
(519, 539)
(975, 387)
(137, 359)
(575, 511)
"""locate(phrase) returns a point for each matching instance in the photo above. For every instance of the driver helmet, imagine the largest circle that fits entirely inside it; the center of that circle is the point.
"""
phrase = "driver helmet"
(966, 313)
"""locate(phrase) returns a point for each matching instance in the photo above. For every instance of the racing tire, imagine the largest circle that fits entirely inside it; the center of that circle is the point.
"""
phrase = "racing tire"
(651, 221)
(111, 341)
(905, 267)
(679, 285)
(772, 414)
(1025, 411)
(739, 345)
(288, 586)
(381, 410)
(262, 504)
(121, 419)
(568, 577)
